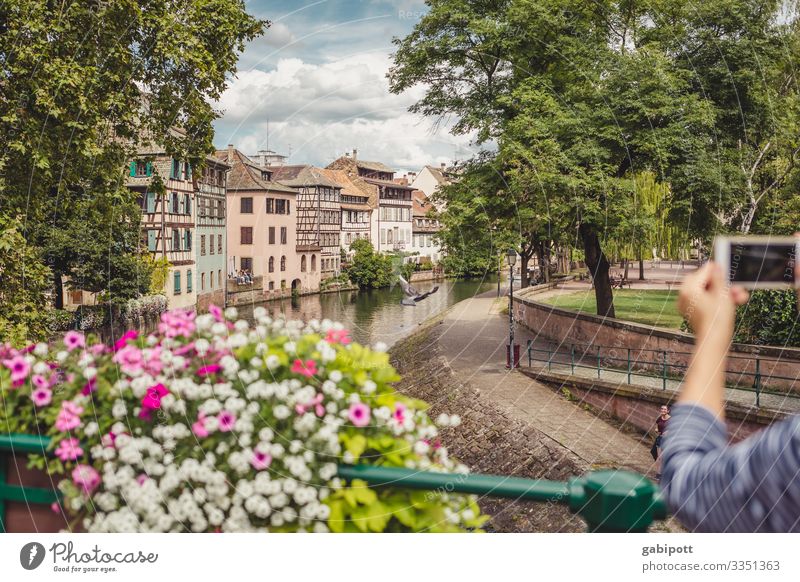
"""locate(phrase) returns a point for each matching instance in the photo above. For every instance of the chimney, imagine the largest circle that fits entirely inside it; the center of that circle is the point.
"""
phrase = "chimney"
(444, 165)
(230, 152)
(355, 155)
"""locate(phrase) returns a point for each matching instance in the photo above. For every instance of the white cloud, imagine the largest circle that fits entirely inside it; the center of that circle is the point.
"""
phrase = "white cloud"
(324, 110)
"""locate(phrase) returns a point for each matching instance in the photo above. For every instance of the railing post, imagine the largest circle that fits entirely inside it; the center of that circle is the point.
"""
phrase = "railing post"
(529, 352)
(664, 370)
(572, 357)
(757, 382)
(629, 365)
(598, 361)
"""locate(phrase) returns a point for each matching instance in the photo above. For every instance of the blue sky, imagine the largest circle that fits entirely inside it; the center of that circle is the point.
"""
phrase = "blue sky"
(317, 79)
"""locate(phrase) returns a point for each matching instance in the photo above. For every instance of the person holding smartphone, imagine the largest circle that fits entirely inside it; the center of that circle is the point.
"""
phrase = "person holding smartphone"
(711, 486)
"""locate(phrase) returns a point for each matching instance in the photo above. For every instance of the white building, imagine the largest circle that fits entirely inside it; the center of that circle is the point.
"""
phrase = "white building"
(424, 245)
(431, 178)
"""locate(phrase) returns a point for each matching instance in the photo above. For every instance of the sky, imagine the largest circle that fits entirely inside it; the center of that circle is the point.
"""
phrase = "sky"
(314, 86)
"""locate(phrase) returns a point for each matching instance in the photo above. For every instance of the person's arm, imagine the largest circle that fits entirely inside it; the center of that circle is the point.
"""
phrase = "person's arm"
(710, 486)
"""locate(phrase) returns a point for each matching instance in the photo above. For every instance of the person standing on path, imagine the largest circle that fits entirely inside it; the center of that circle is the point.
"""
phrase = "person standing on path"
(710, 486)
(661, 427)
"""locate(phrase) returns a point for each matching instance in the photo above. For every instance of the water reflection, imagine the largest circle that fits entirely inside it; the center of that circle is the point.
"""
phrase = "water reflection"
(375, 315)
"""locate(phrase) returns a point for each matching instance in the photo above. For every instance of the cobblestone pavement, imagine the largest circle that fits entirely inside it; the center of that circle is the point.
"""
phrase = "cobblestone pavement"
(473, 339)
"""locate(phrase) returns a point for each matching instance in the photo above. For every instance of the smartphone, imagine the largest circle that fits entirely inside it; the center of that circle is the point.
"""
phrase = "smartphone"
(758, 262)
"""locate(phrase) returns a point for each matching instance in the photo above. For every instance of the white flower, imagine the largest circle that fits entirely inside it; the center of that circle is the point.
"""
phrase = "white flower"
(61, 356)
(90, 428)
(281, 412)
(290, 347)
(231, 313)
(202, 346)
(259, 312)
(40, 349)
(380, 347)
(273, 361)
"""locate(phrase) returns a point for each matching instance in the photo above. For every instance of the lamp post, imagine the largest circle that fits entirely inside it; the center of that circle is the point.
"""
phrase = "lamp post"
(511, 257)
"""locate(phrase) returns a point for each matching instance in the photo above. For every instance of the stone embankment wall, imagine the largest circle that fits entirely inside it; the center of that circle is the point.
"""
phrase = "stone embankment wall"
(648, 344)
(488, 440)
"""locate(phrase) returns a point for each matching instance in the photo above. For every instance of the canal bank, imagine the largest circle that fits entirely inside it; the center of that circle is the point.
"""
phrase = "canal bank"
(512, 425)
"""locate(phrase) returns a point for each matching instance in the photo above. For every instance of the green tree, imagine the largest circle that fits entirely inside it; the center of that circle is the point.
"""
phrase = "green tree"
(23, 285)
(368, 269)
(82, 84)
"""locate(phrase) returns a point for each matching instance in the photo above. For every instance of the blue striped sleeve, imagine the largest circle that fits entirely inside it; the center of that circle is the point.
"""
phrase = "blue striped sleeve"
(752, 486)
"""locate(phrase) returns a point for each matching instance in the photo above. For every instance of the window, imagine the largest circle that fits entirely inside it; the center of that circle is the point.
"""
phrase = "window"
(152, 240)
(219, 244)
(177, 283)
(150, 202)
(272, 285)
(283, 263)
(175, 203)
(271, 265)
(383, 235)
(202, 246)
(141, 169)
(313, 263)
(303, 264)
(211, 280)
(247, 264)
(219, 277)
(176, 240)
(280, 207)
(246, 235)
(202, 281)
(211, 244)
(187, 239)
(175, 173)
(189, 281)
(187, 204)
(187, 171)
(271, 235)
(246, 205)
(270, 206)
(283, 235)
(283, 283)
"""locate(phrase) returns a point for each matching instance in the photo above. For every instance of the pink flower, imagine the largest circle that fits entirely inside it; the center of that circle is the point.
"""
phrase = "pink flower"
(216, 312)
(97, 349)
(39, 381)
(89, 387)
(69, 449)
(307, 368)
(315, 404)
(142, 478)
(338, 336)
(152, 400)
(55, 507)
(226, 421)
(74, 340)
(131, 334)
(260, 460)
(69, 416)
(399, 413)
(86, 478)
(359, 414)
(20, 368)
(130, 359)
(199, 428)
(108, 440)
(177, 323)
(42, 396)
(208, 370)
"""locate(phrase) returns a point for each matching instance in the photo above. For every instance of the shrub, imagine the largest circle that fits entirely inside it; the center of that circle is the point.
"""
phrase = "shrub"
(60, 320)
(211, 425)
(148, 306)
(769, 318)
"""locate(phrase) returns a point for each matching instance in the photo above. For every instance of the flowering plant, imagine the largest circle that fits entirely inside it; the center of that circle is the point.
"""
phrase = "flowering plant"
(211, 425)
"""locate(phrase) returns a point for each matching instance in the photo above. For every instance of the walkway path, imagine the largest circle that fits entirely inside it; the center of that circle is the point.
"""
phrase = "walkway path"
(473, 341)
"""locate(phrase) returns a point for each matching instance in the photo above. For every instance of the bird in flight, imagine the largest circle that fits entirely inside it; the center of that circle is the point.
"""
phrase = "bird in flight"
(412, 296)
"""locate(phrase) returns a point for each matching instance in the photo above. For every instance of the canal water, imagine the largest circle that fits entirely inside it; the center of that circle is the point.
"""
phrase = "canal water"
(375, 315)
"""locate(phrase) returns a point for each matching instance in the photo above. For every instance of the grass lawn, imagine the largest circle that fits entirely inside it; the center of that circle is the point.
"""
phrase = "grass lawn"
(652, 307)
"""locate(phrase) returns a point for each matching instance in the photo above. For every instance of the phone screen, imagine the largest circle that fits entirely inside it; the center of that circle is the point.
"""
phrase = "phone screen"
(762, 262)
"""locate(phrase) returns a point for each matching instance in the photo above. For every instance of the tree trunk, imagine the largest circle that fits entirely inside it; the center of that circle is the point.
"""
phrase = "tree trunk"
(58, 291)
(625, 263)
(524, 280)
(641, 265)
(598, 266)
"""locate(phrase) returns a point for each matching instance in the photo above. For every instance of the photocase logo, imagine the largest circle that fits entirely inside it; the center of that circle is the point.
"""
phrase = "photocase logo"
(31, 555)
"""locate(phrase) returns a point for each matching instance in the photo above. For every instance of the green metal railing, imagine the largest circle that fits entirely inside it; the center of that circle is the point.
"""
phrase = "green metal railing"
(654, 364)
(609, 501)
(25, 444)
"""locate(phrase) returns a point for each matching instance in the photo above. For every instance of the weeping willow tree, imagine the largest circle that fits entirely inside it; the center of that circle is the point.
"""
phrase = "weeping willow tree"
(647, 225)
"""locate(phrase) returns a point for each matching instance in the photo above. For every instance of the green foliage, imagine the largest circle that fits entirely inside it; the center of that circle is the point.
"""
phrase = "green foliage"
(72, 113)
(60, 320)
(23, 283)
(368, 269)
(159, 271)
(769, 318)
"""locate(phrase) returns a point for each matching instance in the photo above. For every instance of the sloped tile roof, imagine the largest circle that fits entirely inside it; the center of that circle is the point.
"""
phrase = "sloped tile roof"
(301, 175)
(245, 174)
(352, 185)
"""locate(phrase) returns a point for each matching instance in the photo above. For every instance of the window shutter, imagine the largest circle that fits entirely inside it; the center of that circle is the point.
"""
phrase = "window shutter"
(151, 202)
(149, 168)
(177, 282)
(189, 281)
(151, 240)
(133, 169)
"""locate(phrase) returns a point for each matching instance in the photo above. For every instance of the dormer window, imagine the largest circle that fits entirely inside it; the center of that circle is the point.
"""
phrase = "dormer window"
(266, 176)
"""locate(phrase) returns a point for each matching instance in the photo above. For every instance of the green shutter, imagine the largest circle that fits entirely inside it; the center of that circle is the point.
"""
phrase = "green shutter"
(149, 169)
(133, 169)
(151, 202)
(177, 280)
(151, 240)
(189, 281)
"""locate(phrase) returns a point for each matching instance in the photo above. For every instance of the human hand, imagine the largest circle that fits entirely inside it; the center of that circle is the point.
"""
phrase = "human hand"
(708, 304)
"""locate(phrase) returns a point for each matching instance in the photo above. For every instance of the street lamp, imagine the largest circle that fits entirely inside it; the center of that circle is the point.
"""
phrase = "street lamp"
(511, 257)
